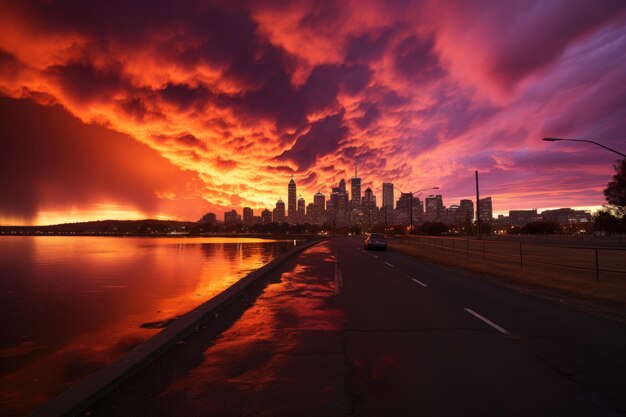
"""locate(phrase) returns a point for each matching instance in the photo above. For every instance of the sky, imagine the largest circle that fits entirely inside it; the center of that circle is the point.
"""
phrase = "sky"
(173, 109)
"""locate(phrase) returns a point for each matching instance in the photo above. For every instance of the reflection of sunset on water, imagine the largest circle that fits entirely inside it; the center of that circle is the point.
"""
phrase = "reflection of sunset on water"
(79, 303)
(261, 347)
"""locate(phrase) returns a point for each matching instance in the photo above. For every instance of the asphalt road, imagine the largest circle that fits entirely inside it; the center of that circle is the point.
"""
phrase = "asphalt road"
(342, 331)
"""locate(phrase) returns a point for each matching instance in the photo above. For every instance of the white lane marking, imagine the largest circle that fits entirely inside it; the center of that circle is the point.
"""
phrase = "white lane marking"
(489, 322)
(375, 256)
(388, 264)
(418, 282)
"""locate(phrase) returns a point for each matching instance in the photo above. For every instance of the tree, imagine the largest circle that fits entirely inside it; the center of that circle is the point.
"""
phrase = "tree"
(615, 192)
(605, 221)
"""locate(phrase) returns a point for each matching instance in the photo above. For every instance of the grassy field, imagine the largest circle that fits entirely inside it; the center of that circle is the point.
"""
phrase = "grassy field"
(566, 270)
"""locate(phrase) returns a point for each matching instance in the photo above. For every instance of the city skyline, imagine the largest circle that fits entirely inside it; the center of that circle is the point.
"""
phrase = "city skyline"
(356, 208)
(171, 112)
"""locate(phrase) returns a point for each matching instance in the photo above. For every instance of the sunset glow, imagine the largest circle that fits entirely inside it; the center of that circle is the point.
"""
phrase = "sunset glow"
(171, 110)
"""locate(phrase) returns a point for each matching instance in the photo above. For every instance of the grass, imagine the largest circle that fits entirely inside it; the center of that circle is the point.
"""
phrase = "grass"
(501, 261)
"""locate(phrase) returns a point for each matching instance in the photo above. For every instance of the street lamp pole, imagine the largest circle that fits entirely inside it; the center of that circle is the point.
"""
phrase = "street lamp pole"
(586, 141)
(410, 194)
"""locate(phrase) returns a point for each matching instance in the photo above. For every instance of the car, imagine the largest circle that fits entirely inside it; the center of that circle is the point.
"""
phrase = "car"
(375, 241)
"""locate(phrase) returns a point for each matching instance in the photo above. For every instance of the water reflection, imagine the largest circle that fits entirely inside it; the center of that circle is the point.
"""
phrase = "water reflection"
(269, 349)
(71, 305)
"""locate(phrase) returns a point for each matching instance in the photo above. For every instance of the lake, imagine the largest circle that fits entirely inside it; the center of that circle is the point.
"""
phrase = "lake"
(71, 305)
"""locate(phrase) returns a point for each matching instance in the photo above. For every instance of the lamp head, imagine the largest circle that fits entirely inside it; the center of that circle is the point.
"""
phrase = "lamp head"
(551, 139)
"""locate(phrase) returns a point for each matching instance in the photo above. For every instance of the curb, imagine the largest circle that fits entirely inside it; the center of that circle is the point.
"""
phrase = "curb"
(79, 396)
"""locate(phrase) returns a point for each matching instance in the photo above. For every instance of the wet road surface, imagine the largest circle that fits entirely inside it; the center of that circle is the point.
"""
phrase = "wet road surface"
(341, 331)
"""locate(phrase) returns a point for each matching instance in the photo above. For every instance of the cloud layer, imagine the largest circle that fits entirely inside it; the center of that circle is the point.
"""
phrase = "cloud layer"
(237, 97)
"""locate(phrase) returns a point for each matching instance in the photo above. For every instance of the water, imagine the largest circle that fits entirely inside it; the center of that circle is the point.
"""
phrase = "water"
(71, 305)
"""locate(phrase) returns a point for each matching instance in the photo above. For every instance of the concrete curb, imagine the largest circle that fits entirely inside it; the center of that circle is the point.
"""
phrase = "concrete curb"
(79, 396)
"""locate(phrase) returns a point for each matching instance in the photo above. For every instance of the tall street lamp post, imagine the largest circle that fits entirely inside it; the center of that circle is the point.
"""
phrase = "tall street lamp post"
(410, 194)
(584, 140)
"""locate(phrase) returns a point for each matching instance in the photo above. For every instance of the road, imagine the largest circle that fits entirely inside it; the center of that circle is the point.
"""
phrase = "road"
(341, 331)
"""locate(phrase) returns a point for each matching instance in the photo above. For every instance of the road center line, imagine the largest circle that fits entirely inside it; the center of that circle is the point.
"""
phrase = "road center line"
(489, 322)
(388, 264)
(419, 282)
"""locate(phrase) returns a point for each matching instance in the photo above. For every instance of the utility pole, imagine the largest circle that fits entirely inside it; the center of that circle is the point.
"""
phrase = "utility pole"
(477, 206)
(411, 211)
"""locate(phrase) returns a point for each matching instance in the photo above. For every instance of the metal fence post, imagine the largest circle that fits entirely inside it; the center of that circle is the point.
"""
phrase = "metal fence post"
(521, 258)
(484, 250)
(467, 248)
(453, 246)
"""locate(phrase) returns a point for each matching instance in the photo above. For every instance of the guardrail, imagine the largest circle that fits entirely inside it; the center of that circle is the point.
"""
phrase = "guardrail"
(595, 259)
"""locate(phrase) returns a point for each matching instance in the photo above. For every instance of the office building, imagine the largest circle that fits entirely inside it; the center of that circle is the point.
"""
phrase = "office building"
(388, 195)
(485, 209)
(231, 217)
(248, 216)
(434, 207)
(301, 211)
(355, 190)
(522, 217)
(266, 217)
(467, 210)
(369, 199)
(291, 201)
(279, 212)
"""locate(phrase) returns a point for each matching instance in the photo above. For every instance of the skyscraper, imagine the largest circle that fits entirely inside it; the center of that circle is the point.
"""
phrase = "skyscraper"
(248, 216)
(291, 201)
(369, 199)
(319, 202)
(388, 195)
(301, 211)
(434, 207)
(279, 212)
(485, 209)
(467, 209)
(266, 216)
(231, 217)
(355, 188)
(342, 185)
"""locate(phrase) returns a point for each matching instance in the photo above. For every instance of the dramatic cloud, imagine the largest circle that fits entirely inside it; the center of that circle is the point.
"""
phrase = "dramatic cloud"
(230, 98)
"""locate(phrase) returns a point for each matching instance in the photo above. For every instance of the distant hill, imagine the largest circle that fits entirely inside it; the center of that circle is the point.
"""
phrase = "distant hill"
(147, 227)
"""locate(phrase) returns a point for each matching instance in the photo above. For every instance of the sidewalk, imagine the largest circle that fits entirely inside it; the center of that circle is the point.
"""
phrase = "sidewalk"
(283, 356)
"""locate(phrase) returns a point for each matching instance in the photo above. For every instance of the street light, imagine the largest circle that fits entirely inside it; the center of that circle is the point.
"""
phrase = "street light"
(410, 194)
(584, 140)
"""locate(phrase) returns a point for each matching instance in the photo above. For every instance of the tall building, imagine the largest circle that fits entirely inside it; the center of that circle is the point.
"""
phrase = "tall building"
(342, 185)
(279, 212)
(404, 210)
(231, 217)
(369, 199)
(485, 209)
(248, 216)
(319, 202)
(388, 195)
(291, 201)
(266, 216)
(355, 189)
(301, 211)
(434, 207)
(467, 209)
